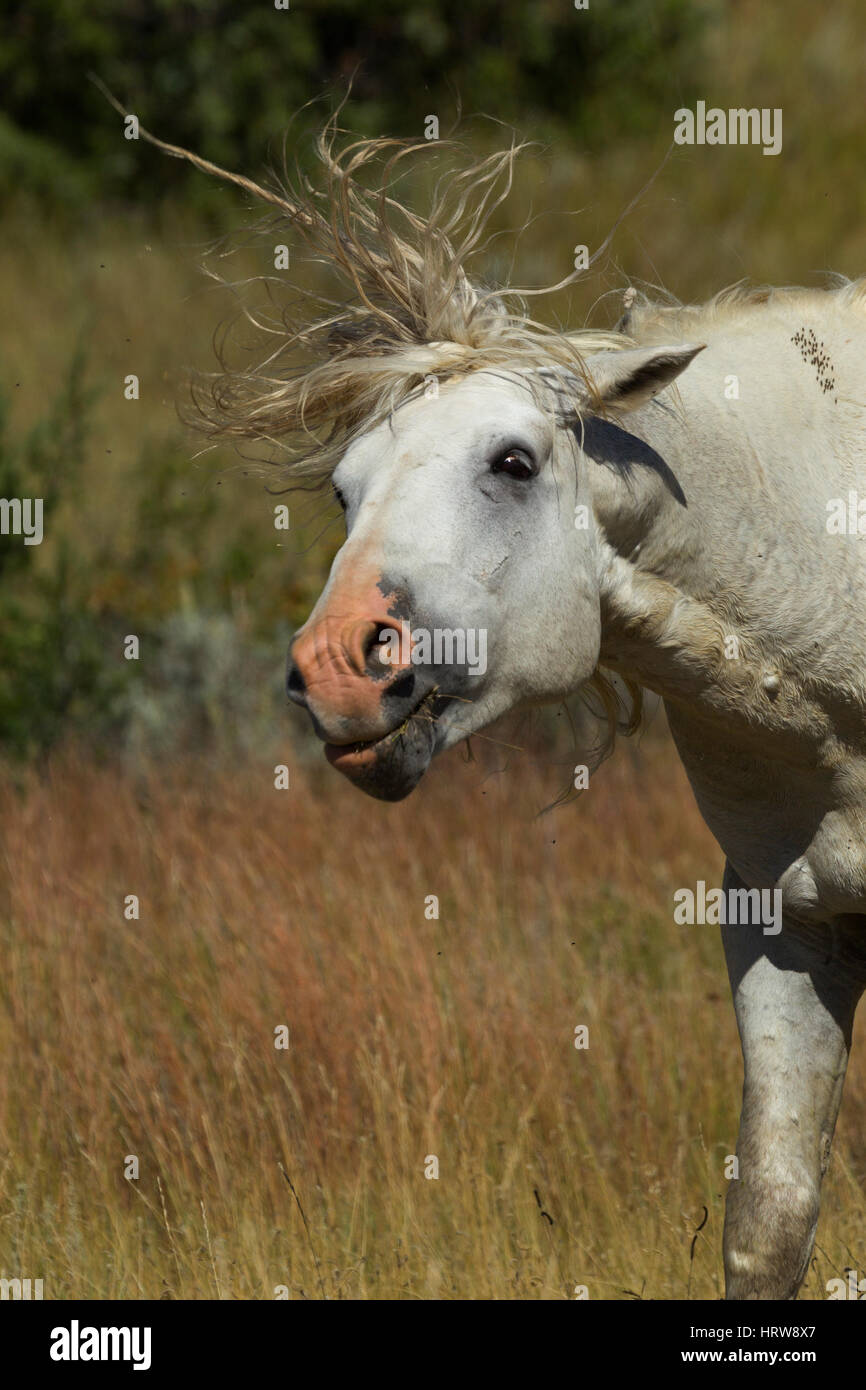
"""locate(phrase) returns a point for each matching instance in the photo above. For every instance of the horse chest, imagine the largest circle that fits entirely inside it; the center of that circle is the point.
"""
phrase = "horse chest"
(798, 825)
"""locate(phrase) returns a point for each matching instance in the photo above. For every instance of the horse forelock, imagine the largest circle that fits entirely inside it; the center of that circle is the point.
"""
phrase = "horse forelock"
(405, 307)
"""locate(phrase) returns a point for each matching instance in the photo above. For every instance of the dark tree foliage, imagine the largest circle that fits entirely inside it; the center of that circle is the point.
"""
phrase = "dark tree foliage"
(226, 77)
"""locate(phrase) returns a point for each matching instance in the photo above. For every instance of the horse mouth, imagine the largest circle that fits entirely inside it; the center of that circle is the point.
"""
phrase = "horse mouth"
(390, 767)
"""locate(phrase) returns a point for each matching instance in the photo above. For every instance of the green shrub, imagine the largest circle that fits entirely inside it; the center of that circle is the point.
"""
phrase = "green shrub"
(53, 670)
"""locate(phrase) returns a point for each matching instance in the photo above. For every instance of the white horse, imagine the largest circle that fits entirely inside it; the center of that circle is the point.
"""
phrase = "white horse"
(561, 496)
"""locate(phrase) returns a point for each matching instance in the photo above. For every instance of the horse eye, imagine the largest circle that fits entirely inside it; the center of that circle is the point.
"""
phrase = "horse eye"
(515, 463)
(339, 496)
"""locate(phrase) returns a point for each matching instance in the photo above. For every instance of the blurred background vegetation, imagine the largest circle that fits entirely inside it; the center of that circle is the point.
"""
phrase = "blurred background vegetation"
(101, 278)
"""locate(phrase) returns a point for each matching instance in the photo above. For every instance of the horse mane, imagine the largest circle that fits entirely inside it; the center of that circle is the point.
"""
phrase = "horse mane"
(649, 320)
(401, 305)
(402, 308)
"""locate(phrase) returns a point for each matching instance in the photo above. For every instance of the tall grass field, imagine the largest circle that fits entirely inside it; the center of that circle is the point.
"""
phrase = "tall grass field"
(286, 1078)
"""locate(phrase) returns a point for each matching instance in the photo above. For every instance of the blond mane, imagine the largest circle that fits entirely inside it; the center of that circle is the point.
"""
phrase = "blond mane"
(402, 304)
(648, 320)
(403, 307)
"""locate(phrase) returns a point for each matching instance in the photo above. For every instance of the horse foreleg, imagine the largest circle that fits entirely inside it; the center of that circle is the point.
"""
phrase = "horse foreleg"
(795, 995)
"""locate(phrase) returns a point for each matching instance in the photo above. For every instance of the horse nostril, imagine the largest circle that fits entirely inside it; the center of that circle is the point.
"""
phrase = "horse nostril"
(374, 646)
(381, 658)
(296, 688)
(402, 688)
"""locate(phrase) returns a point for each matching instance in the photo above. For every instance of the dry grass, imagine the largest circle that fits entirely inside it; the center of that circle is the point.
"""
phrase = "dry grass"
(408, 1037)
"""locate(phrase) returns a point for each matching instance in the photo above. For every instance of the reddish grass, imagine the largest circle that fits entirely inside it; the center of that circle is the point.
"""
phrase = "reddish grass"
(409, 1037)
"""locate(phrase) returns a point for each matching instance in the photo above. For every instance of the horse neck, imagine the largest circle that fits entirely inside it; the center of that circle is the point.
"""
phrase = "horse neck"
(711, 513)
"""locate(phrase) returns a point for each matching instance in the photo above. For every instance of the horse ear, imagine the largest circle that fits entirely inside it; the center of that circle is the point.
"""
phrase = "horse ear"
(628, 379)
